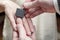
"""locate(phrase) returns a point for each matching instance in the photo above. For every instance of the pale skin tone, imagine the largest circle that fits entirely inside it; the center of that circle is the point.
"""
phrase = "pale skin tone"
(10, 10)
(33, 10)
(22, 33)
(37, 7)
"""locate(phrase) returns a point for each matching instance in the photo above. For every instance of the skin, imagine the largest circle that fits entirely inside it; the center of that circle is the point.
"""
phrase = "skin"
(34, 9)
(10, 10)
(44, 6)
(21, 30)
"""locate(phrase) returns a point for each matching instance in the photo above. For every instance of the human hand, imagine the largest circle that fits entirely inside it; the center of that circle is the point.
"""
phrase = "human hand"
(37, 7)
(10, 9)
(20, 34)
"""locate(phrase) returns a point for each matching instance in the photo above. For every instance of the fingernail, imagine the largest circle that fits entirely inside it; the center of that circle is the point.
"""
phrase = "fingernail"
(15, 29)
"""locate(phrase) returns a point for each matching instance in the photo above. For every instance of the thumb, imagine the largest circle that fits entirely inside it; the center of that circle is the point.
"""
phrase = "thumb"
(31, 4)
(12, 21)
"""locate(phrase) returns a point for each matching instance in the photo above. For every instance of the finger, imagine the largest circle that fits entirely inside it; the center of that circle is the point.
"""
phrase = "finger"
(31, 11)
(20, 28)
(38, 12)
(10, 14)
(31, 26)
(26, 26)
(33, 36)
(15, 35)
(12, 21)
(31, 4)
(22, 32)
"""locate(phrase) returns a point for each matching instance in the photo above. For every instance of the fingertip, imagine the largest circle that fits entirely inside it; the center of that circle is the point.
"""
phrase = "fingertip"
(13, 24)
(14, 28)
(28, 34)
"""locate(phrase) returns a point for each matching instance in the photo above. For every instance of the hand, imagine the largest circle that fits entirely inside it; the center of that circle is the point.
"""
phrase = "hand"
(21, 33)
(37, 7)
(10, 10)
